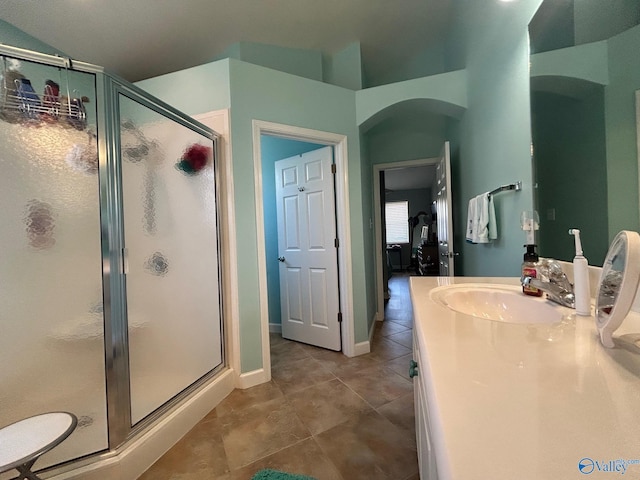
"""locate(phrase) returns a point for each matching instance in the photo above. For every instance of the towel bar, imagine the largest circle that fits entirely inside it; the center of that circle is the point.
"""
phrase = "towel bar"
(512, 186)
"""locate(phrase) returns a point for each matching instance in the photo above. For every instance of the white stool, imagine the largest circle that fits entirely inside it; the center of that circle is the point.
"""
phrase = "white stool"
(23, 442)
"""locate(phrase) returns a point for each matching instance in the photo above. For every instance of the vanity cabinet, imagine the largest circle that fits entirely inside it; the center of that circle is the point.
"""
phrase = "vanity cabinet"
(424, 443)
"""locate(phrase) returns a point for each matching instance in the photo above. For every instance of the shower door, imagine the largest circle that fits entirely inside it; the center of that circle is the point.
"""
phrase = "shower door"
(52, 354)
(170, 256)
(110, 303)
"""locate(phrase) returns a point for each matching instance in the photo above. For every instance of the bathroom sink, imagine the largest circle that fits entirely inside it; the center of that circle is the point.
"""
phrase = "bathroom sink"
(501, 303)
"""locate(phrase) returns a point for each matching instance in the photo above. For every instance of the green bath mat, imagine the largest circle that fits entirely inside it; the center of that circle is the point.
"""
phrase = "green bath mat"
(268, 474)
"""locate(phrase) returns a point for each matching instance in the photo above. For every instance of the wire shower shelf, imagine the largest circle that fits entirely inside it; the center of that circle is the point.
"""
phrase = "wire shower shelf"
(19, 104)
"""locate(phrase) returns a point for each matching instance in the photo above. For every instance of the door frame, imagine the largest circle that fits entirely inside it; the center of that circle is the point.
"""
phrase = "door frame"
(343, 229)
(380, 167)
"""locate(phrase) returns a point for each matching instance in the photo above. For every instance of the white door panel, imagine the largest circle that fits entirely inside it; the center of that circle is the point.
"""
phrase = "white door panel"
(319, 298)
(294, 295)
(444, 212)
(291, 225)
(315, 213)
(313, 171)
(308, 256)
(289, 177)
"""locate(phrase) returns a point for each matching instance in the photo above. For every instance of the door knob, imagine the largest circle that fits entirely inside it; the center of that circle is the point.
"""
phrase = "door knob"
(281, 259)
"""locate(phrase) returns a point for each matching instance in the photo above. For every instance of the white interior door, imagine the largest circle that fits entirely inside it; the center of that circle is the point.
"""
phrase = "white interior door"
(444, 212)
(307, 250)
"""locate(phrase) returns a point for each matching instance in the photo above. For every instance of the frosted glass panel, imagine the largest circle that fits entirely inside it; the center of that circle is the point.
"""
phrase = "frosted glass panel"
(51, 311)
(173, 304)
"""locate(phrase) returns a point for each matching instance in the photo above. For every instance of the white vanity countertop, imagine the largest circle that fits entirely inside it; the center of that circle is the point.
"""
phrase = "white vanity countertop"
(512, 401)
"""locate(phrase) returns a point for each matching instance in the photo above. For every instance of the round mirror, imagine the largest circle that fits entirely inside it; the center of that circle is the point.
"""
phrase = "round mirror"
(618, 284)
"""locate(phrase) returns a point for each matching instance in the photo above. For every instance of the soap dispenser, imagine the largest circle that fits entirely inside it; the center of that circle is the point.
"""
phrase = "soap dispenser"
(530, 269)
(581, 278)
(529, 222)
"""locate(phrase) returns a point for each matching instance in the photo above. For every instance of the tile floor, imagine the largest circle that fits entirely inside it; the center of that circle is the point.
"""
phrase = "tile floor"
(322, 414)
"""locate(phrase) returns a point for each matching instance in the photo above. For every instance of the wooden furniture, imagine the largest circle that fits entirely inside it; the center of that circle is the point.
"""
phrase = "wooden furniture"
(427, 259)
(394, 249)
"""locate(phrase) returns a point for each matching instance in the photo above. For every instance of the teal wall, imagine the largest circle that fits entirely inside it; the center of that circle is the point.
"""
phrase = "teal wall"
(596, 20)
(569, 143)
(613, 64)
(426, 63)
(368, 239)
(589, 62)
(344, 68)
(296, 61)
(622, 153)
(491, 140)
(200, 89)
(444, 93)
(265, 94)
(407, 137)
(494, 134)
(10, 35)
(552, 27)
(273, 149)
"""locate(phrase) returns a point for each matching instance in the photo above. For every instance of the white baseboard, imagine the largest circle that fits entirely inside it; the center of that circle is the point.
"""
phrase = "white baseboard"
(372, 329)
(275, 328)
(362, 348)
(253, 378)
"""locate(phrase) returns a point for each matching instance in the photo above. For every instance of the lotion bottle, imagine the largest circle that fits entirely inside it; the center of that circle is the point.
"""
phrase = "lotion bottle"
(581, 278)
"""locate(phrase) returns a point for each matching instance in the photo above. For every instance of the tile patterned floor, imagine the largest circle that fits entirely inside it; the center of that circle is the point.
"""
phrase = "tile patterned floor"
(322, 414)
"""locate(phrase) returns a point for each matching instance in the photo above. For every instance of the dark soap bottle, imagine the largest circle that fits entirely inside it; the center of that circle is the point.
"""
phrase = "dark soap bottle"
(529, 269)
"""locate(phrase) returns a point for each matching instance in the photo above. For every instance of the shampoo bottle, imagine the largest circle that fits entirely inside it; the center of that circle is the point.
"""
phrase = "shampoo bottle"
(581, 287)
(529, 269)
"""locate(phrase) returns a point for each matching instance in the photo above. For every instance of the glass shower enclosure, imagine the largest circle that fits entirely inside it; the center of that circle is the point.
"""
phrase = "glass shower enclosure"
(110, 285)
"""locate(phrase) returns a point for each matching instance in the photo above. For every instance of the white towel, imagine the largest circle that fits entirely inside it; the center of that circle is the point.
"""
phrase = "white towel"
(486, 229)
(472, 219)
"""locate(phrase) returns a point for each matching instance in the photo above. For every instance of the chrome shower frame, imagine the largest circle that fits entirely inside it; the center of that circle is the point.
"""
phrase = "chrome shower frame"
(108, 88)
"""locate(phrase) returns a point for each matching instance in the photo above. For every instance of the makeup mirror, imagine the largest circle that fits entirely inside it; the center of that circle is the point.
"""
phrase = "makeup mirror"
(618, 284)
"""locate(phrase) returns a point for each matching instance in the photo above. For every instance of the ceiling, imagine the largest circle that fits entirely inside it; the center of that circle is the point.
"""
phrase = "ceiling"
(139, 39)
(409, 178)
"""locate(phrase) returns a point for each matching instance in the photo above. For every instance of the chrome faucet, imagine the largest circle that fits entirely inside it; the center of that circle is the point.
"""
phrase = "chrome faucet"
(553, 281)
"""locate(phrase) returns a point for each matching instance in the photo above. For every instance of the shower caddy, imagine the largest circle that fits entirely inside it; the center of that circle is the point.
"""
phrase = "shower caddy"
(20, 103)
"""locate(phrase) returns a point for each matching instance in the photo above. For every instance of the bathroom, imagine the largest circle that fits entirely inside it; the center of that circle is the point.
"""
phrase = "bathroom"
(483, 88)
